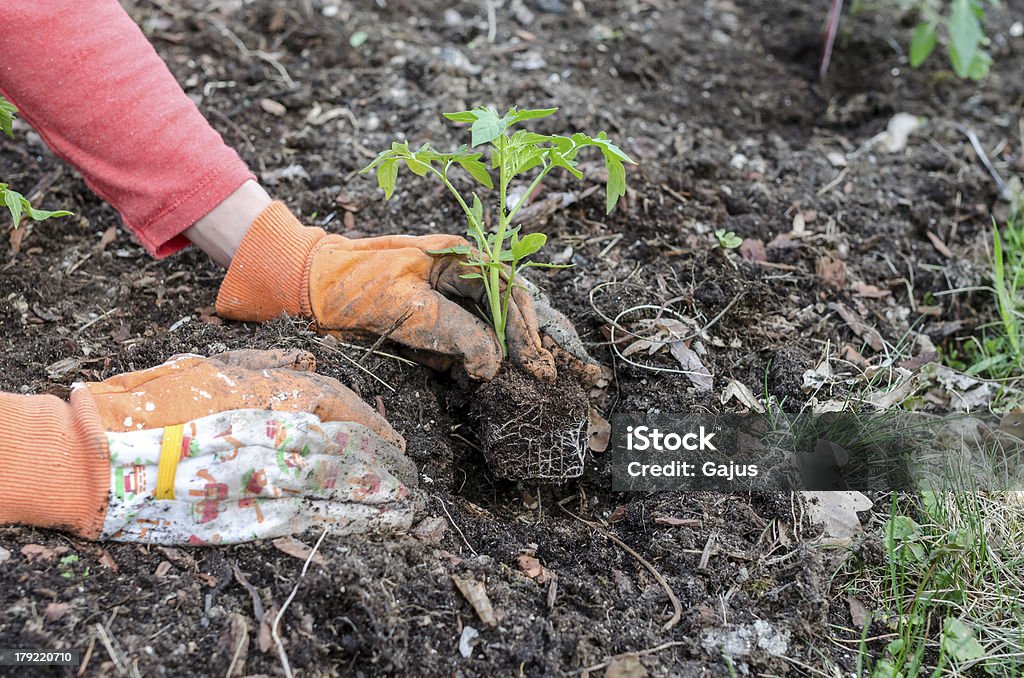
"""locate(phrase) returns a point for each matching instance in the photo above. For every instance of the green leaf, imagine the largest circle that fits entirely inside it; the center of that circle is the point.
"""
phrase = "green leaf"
(922, 44)
(461, 116)
(616, 187)
(387, 174)
(416, 167)
(979, 67)
(959, 642)
(529, 114)
(13, 199)
(477, 210)
(457, 249)
(530, 243)
(43, 215)
(559, 160)
(7, 111)
(475, 168)
(358, 38)
(487, 127)
(965, 35)
(471, 276)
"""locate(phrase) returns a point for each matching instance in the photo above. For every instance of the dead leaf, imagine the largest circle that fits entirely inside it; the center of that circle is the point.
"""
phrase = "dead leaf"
(869, 334)
(743, 395)
(264, 638)
(431, 529)
(832, 271)
(670, 521)
(5, 555)
(532, 568)
(837, 511)
(858, 613)
(939, 245)
(63, 368)
(753, 249)
(180, 558)
(109, 236)
(297, 549)
(34, 552)
(476, 593)
(617, 514)
(626, 666)
(163, 568)
(870, 291)
(107, 561)
(54, 611)
(695, 370)
(234, 644)
(599, 431)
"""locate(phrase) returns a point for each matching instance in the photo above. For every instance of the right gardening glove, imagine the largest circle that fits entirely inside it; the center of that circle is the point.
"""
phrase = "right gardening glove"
(386, 286)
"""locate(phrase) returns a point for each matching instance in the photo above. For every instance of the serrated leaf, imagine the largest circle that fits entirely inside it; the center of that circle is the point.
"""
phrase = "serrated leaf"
(979, 67)
(922, 44)
(43, 215)
(477, 210)
(7, 111)
(457, 249)
(487, 127)
(475, 168)
(965, 35)
(559, 160)
(530, 114)
(387, 174)
(461, 116)
(959, 641)
(381, 157)
(616, 187)
(416, 167)
(13, 200)
(530, 243)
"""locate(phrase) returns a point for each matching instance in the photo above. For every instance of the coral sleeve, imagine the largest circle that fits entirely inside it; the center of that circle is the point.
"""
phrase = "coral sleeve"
(85, 77)
(54, 463)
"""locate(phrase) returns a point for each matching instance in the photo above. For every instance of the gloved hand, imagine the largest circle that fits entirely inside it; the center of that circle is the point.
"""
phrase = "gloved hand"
(376, 286)
(245, 445)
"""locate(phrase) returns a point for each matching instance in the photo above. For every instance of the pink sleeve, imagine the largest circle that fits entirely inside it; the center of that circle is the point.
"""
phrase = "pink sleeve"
(85, 77)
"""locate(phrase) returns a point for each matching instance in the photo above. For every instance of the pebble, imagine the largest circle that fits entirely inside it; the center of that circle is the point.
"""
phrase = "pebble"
(551, 6)
(1017, 29)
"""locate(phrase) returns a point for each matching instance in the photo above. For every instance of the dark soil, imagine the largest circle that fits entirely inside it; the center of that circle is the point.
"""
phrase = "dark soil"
(720, 104)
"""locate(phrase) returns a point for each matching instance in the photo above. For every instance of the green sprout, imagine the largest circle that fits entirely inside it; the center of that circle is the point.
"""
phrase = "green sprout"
(500, 255)
(17, 204)
(727, 239)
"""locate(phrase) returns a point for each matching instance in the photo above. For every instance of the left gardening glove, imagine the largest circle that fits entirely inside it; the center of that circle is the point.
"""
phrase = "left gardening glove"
(387, 286)
(245, 445)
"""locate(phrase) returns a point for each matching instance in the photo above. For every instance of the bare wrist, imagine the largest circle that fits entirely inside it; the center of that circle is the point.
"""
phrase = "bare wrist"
(219, 233)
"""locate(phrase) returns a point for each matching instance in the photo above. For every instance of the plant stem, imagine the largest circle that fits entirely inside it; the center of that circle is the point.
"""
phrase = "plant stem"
(494, 269)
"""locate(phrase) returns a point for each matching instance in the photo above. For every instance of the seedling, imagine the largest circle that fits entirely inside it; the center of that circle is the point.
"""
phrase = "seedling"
(727, 240)
(17, 204)
(500, 255)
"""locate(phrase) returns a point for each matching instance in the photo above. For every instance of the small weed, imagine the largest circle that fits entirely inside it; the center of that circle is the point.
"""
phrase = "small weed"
(727, 240)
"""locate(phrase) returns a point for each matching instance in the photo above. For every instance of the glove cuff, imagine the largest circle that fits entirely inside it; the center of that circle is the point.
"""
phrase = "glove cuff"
(270, 271)
(54, 463)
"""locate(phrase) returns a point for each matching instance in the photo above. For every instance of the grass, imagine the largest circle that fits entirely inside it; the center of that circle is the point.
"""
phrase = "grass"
(947, 597)
(998, 352)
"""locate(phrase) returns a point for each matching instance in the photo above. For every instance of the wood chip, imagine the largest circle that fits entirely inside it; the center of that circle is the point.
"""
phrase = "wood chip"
(163, 568)
(297, 549)
(670, 521)
(532, 568)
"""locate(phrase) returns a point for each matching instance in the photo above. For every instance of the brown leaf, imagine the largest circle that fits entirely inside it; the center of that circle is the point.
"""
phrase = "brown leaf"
(180, 558)
(870, 291)
(753, 249)
(858, 612)
(431, 529)
(109, 236)
(617, 514)
(297, 549)
(919, 361)
(939, 245)
(265, 638)
(670, 521)
(39, 552)
(476, 593)
(832, 271)
(55, 611)
(532, 568)
(207, 314)
(234, 644)
(599, 431)
(163, 568)
(869, 334)
(107, 561)
(625, 666)
(696, 372)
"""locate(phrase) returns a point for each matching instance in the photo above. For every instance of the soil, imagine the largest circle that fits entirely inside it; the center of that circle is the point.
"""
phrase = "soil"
(719, 102)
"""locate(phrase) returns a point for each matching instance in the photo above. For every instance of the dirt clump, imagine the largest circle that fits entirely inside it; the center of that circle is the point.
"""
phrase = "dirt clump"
(530, 429)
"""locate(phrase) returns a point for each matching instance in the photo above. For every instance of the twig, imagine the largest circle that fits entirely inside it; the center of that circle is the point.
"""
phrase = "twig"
(257, 602)
(455, 525)
(387, 333)
(638, 653)
(492, 21)
(1004, 191)
(280, 613)
(677, 608)
(835, 182)
(97, 319)
(238, 650)
(108, 643)
(356, 363)
(87, 657)
(258, 53)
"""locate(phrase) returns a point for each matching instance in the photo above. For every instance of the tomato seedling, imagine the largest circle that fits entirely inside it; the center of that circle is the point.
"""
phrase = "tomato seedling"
(17, 204)
(500, 255)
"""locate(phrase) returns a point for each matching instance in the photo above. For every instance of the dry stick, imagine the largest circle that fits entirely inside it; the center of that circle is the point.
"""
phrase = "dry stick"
(115, 656)
(238, 650)
(677, 608)
(87, 657)
(356, 363)
(277, 620)
(387, 333)
(638, 653)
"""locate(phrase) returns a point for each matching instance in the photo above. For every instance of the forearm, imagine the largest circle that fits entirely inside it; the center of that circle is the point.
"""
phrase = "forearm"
(85, 77)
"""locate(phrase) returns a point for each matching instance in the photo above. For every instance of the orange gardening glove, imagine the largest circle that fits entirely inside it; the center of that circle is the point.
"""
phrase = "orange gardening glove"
(55, 465)
(373, 287)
